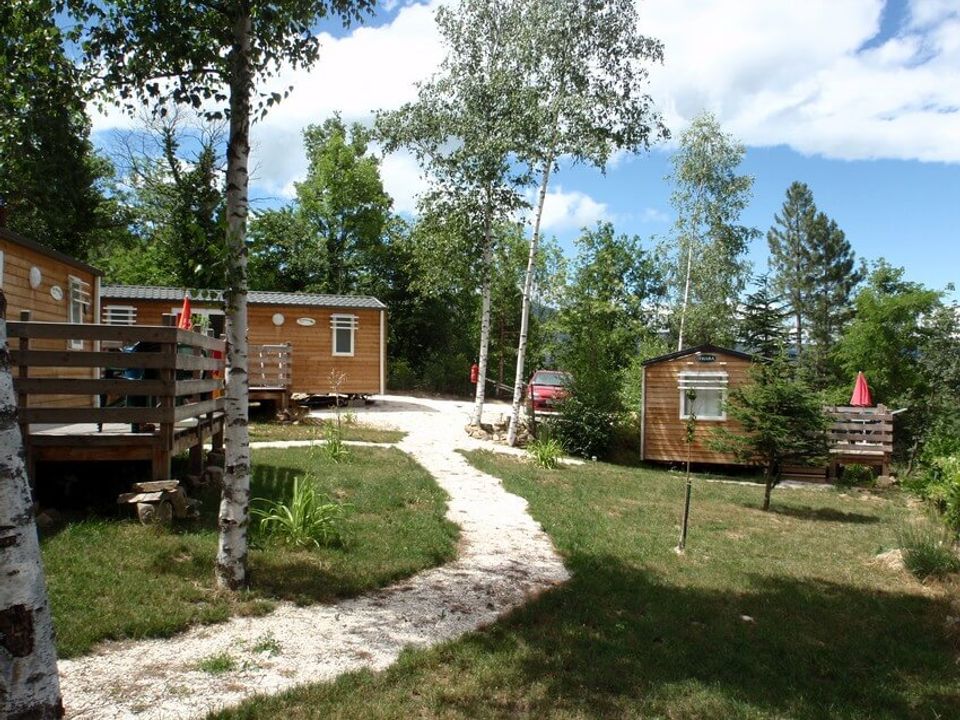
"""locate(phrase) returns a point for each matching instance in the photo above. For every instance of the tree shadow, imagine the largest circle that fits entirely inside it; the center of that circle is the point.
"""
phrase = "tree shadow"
(823, 514)
(617, 641)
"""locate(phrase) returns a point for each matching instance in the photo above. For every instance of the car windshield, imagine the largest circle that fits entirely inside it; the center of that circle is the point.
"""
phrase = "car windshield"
(548, 377)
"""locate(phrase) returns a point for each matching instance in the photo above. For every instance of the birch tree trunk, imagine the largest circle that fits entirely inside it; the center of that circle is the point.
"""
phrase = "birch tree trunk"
(686, 297)
(29, 684)
(231, 566)
(525, 306)
(486, 292)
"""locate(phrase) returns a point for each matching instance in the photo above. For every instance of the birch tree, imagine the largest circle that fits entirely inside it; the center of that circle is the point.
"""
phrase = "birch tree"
(586, 67)
(709, 270)
(29, 684)
(465, 127)
(212, 56)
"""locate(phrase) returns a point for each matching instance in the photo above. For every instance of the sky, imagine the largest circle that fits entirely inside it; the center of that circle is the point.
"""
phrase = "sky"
(860, 99)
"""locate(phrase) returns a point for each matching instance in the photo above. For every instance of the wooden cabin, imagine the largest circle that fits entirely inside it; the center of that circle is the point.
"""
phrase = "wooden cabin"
(324, 333)
(708, 370)
(52, 287)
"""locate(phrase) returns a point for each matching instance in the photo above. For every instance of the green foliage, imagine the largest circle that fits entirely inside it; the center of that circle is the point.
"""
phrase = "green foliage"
(333, 447)
(781, 419)
(928, 549)
(939, 483)
(761, 329)
(588, 417)
(631, 394)
(56, 189)
(217, 664)
(709, 242)
(306, 520)
(855, 474)
(545, 451)
(175, 198)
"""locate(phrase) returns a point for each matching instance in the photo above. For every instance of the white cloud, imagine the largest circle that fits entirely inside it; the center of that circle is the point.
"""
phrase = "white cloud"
(776, 72)
(654, 215)
(570, 210)
(797, 74)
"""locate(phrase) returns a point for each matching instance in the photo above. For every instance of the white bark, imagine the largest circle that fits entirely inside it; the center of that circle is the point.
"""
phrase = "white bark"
(686, 297)
(231, 566)
(29, 683)
(518, 382)
(486, 292)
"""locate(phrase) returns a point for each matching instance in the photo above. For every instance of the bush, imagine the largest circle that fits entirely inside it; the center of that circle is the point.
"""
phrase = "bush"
(546, 452)
(333, 447)
(927, 549)
(402, 375)
(857, 475)
(939, 483)
(308, 519)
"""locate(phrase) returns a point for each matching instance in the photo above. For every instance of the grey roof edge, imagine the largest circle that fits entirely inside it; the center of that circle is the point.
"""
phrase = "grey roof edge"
(706, 347)
(15, 237)
(255, 297)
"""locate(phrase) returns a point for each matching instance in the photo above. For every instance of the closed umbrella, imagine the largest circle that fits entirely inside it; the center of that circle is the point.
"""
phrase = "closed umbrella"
(861, 392)
(184, 321)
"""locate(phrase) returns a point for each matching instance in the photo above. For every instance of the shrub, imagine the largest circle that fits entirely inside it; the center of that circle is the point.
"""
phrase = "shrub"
(333, 447)
(927, 549)
(546, 452)
(939, 483)
(308, 519)
(857, 475)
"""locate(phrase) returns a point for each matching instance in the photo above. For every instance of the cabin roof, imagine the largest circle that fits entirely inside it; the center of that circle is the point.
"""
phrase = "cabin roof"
(708, 348)
(15, 237)
(255, 297)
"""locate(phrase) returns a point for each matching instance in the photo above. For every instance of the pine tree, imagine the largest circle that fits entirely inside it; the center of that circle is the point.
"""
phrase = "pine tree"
(834, 275)
(789, 244)
(762, 316)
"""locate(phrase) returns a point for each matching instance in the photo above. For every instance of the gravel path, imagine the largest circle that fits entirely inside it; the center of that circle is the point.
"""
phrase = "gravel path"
(504, 559)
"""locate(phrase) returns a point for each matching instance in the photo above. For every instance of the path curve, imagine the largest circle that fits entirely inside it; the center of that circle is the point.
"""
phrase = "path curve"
(504, 558)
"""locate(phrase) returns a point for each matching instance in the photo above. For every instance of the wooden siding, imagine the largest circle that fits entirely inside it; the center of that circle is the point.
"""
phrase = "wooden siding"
(312, 346)
(663, 432)
(17, 262)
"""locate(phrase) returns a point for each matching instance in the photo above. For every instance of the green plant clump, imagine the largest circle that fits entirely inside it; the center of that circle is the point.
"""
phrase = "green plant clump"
(857, 474)
(546, 452)
(939, 483)
(927, 550)
(333, 447)
(307, 520)
(217, 664)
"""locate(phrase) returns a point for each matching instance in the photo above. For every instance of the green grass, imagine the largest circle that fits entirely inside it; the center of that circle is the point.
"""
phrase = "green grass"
(217, 664)
(118, 579)
(266, 431)
(640, 632)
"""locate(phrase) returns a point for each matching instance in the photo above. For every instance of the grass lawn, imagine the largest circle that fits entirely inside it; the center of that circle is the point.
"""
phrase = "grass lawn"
(260, 431)
(768, 615)
(113, 579)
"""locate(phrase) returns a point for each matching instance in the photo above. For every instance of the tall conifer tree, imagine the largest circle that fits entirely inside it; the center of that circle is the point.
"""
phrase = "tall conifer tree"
(789, 241)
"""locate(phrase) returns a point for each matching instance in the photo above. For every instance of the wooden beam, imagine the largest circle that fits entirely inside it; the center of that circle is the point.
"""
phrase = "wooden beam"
(72, 386)
(70, 331)
(67, 416)
(184, 412)
(77, 358)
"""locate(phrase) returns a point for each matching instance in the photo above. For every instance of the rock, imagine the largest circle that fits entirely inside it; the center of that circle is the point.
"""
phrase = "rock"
(214, 475)
(48, 518)
(747, 619)
(891, 559)
(216, 458)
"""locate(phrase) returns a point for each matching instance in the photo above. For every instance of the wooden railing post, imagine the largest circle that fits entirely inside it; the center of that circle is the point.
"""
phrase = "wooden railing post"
(23, 371)
(164, 446)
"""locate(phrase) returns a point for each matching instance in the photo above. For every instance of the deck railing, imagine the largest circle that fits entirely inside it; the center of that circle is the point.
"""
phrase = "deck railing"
(270, 366)
(176, 374)
(855, 430)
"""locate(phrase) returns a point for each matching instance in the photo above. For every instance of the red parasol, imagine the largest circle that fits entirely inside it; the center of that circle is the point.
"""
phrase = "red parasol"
(861, 392)
(184, 321)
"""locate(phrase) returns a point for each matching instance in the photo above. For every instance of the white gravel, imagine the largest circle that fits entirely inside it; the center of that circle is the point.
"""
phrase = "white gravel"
(504, 559)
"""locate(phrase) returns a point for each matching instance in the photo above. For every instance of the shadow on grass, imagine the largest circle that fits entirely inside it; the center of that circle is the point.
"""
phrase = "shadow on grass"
(616, 641)
(823, 514)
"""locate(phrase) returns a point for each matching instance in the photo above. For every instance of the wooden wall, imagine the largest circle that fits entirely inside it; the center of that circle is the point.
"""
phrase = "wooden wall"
(313, 358)
(17, 262)
(664, 431)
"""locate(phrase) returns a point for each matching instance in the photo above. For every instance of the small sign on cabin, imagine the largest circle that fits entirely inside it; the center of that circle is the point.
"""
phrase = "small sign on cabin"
(707, 357)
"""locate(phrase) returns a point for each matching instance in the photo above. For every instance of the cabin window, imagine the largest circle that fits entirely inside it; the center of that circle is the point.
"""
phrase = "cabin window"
(119, 315)
(344, 332)
(79, 306)
(703, 395)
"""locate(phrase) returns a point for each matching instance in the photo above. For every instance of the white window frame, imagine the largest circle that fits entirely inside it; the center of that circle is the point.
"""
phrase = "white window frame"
(126, 316)
(343, 321)
(76, 289)
(704, 380)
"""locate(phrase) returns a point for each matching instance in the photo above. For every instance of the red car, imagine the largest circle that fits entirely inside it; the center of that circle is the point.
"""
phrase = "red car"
(547, 388)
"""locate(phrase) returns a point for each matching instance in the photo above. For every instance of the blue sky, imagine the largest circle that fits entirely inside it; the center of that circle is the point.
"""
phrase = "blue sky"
(860, 99)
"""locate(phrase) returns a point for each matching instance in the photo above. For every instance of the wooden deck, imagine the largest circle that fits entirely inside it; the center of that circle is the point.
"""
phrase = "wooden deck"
(163, 399)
